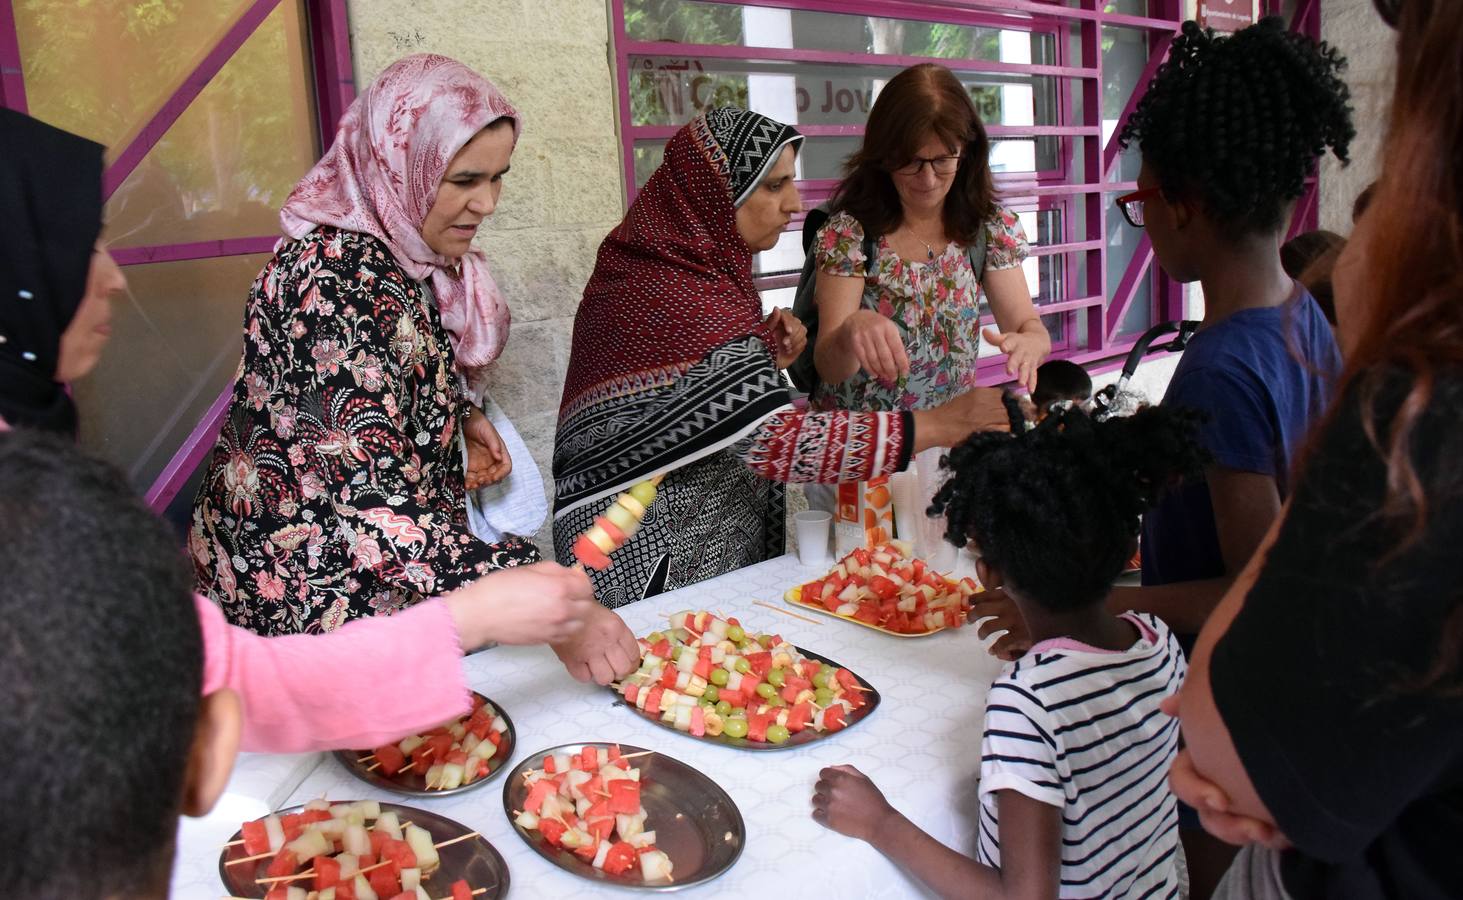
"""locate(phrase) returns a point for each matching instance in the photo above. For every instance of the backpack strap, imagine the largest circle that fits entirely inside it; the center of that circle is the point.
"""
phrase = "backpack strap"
(976, 253)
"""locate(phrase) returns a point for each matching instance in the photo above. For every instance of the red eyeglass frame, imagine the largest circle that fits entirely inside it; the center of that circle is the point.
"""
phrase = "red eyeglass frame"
(1136, 197)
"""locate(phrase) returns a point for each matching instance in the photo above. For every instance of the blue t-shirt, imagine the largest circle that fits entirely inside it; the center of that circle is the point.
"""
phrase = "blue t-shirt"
(1263, 376)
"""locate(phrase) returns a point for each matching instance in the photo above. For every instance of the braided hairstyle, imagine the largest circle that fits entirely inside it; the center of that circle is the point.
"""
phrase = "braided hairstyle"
(1237, 123)
(1056, 509)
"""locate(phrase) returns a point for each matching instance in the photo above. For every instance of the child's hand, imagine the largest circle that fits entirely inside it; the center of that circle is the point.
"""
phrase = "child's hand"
(847, 801)
(1003, 615)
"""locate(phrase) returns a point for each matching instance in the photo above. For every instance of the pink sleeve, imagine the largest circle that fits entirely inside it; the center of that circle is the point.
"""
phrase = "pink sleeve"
(373, 681)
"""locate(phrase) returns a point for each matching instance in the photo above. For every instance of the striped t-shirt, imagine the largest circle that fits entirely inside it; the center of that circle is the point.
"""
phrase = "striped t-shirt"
(1079, 728)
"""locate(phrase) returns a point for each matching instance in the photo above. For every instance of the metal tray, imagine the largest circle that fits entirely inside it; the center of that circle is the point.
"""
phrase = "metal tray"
(696, 823)
(476, 860)
(801, 739)
(414, 783)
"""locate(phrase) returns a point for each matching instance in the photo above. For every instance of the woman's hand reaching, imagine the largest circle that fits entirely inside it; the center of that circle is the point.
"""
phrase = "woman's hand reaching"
(790, 335)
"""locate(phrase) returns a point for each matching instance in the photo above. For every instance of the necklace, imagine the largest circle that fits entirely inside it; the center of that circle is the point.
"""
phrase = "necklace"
(929, 248)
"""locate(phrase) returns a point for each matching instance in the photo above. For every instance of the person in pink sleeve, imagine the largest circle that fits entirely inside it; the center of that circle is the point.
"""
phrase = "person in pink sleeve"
(300, 692)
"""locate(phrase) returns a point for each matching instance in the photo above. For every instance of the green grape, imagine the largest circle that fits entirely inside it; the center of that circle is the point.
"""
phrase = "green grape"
(705, 704)
(777, 702)
(777, 734)
(765, 640)
(655, 637)
(743, 666)
(736, 634)
(712, 693)
(734, 728)
(820, 679)
(777, 678)
(723, 708)
(644, 492)
(766, 691)
(822, 696)
(719, 676)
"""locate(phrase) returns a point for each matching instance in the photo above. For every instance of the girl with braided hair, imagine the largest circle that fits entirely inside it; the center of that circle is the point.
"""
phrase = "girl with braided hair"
(1229, 129)
(1073, 794)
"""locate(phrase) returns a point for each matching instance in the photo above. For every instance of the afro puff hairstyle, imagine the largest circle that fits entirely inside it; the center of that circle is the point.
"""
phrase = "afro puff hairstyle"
(1055, 509)
(1237, 122)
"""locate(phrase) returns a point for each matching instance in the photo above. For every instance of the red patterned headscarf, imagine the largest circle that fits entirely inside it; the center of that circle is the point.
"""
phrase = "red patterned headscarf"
(380, 177)
(672, 284)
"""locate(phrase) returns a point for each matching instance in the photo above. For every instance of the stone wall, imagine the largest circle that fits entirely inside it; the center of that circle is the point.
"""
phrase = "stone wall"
(1353, 27)
(565, 191)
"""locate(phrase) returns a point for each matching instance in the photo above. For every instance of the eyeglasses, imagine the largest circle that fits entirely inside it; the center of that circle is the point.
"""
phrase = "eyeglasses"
(1131, 205)
(942, 165)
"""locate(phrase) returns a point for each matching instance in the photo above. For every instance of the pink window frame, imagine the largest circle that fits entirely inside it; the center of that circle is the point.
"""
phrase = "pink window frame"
(334, 90)
(1042, 190)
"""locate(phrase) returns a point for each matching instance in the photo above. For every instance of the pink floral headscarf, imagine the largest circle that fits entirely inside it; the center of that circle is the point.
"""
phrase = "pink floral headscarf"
(380, 178)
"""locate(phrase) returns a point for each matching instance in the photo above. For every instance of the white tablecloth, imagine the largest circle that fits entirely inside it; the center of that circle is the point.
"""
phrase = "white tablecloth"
(921, 746)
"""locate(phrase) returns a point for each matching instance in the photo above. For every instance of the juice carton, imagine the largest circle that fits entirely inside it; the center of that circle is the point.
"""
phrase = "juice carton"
(864, 514)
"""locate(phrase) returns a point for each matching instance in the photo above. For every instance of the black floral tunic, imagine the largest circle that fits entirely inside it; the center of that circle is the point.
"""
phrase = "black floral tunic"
(336, 489)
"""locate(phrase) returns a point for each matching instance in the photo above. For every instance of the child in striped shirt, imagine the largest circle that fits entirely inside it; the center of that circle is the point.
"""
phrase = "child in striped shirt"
(1074, 798)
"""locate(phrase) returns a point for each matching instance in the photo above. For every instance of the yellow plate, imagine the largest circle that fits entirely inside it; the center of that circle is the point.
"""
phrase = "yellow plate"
(794, 596)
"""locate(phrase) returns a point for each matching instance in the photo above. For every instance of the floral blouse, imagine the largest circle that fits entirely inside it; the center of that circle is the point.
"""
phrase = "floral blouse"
(936, 306)
(335, 490)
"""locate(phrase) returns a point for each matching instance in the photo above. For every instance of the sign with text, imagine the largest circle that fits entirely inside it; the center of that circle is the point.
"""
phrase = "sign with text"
(1226, 15)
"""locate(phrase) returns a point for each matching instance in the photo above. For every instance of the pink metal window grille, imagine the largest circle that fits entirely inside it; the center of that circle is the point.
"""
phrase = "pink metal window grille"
(1094, 278)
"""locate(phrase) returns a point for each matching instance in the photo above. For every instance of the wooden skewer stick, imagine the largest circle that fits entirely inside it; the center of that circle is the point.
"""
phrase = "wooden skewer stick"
(457, 840)
(786, 612)
(244, 859)
(481, 890)
(368, 757)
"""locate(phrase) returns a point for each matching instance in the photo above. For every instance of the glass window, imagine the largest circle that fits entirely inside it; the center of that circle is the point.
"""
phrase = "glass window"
(104, 69)
(101, 69)
(177, 335)
(226, 165)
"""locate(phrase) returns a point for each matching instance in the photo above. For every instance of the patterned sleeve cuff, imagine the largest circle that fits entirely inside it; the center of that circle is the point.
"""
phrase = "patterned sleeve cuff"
(906, 440)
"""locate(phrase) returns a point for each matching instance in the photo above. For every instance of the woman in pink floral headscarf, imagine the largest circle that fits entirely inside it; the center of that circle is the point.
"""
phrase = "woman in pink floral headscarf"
(336, 488)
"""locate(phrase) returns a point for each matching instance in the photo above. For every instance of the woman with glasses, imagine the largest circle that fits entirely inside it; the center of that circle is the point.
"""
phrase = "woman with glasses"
(901, 331)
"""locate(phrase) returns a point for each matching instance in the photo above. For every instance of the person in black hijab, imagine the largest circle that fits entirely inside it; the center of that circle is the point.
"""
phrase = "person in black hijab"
(54, 283)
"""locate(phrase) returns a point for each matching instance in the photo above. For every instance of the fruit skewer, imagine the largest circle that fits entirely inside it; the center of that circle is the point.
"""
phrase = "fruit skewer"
(618, 524)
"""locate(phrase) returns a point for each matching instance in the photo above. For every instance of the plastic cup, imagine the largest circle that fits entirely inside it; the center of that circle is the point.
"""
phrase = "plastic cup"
(812, 527)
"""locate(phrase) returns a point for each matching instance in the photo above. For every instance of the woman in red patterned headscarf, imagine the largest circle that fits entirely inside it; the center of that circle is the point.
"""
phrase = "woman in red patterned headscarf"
(336, 489)
(674, 370)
